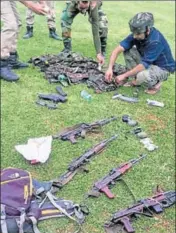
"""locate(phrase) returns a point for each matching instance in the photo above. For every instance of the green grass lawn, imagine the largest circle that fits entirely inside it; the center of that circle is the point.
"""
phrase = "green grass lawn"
(21, 119)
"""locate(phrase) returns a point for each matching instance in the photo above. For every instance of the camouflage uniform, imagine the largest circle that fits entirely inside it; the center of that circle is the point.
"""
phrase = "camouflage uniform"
(50, 17)
(150, 76)
(30, 16)
(96, 17)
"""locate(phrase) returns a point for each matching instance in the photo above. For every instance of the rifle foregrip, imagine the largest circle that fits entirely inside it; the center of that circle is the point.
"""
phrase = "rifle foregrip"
(107, 192)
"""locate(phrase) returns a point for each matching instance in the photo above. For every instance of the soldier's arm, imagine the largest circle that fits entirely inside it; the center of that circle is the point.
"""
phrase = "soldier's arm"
(95, 29)
(36, 7)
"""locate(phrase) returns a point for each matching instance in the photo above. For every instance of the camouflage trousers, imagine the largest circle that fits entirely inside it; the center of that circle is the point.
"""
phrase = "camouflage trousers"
(30, 15)
(10, 29)
(150, 76)
(68, 16)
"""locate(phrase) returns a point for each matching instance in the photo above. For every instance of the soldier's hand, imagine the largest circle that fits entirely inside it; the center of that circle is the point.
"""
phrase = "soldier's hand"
(108, 75)
(38, 8)
(100, 58)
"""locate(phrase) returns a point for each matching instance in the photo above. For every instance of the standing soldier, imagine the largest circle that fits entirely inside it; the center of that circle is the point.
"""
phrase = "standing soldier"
(97, 19)
(50, 20)
(9, 36)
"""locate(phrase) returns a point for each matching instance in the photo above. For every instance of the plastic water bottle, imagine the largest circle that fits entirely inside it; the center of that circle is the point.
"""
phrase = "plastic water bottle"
(85, 95)
(155, 103)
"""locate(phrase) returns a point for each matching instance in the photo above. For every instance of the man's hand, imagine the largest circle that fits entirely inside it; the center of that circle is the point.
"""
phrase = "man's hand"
(120, 78)
(108, 75)
(100, 58)
(38, 8)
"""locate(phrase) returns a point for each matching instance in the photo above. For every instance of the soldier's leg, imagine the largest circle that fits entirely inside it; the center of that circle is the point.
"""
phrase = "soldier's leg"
(18, 20)
(29, 24)
(51, 21)
(67, 17)
(8, 39)
(13, 59)
(103, 30)
(152, 78)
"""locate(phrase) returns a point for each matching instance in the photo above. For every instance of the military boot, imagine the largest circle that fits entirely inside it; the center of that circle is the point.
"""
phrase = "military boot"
(103, 45)
(6, 72)
(14, 63)
(29, 32)
(67, 47)
(53, 34)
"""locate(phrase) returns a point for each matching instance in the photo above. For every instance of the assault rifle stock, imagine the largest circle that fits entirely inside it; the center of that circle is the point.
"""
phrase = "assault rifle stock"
(121, 221)
(79, 163)
(115, 174)
(80, 130)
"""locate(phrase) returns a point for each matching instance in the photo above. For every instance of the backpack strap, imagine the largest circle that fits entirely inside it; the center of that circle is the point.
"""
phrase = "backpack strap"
(51, 198)
(34, 224)
(3, 219)
(79, 214)
(22, 220)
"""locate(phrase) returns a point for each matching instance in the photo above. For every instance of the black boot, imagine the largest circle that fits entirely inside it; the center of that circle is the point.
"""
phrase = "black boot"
(53, 34)
(103, 45)
(14, 63)
(29, 32)
(67, 47)
(6, 72)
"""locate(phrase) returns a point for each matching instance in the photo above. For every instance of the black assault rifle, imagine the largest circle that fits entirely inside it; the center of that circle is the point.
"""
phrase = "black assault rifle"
(115, 174)
(80, 130)
(79, 163)
(121, 221)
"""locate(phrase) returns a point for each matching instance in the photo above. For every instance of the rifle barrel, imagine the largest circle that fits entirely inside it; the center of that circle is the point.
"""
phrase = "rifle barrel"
(134, 161)
(106, 121)
(95, 150)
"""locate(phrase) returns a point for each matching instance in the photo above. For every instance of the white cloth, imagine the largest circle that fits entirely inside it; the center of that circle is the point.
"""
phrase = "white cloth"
(148, 144)
(37, 149)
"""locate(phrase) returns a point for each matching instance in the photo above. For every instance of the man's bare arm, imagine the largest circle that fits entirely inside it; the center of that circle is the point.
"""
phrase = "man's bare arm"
(114, 55)
(134, 71)
(109, 73)
(36, 7)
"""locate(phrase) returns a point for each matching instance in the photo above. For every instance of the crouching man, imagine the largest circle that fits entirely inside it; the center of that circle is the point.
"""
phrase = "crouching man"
(147, 55)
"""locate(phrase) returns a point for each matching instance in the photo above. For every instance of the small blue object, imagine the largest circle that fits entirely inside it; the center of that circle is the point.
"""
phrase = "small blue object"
(85, 95)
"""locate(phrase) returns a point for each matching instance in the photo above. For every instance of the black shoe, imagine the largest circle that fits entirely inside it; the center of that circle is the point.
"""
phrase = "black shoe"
(29, 32)
(53, 34)
(6, 73)
(67, 47)
(14, 63)
(65, 51)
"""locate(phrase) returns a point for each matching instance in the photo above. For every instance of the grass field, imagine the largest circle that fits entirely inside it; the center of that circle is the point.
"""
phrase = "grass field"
(21, 119)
